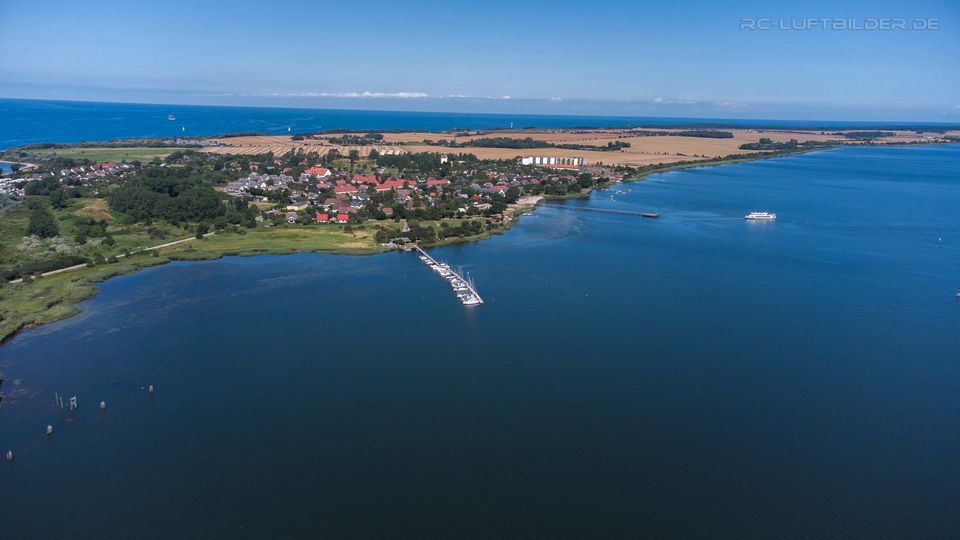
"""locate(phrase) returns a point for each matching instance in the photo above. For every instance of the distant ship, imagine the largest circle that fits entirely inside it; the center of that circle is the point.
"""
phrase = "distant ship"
(761, 216)
(171, 117)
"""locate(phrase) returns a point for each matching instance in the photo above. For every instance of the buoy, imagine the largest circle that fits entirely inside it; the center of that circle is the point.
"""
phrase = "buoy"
(150, 389)
(49, 429)
(9, 455)
(103, 405)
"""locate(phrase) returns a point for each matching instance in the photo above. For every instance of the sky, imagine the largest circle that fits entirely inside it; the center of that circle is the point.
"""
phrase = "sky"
(669, 58)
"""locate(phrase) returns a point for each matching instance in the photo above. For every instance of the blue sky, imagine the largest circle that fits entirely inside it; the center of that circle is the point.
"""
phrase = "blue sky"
(669, 58)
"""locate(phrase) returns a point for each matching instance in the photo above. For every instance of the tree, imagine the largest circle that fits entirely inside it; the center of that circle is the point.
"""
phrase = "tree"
(42, 223)
(353, 155)
(513, 194)
(202, 229)
(58, 198)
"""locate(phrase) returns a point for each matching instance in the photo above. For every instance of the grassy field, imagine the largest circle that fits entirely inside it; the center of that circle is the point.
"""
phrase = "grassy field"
(127, 237)
(47, 299)
(108, 154)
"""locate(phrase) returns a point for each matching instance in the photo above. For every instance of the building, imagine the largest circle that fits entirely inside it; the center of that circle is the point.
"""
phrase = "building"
(549, 161)
(319, 172)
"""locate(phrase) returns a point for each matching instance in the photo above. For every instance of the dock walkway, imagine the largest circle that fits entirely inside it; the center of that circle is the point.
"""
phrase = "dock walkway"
(463, 288)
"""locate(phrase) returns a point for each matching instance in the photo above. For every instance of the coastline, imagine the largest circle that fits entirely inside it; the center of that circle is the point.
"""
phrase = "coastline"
(63, 292)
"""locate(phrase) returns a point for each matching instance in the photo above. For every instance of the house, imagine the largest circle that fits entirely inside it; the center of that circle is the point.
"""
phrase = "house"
(432, 182)
(319, 172)
(343, 218)
(345, 189)
(387, 185)
(323, 218)
(387, 211)
(365, 179)
(296, 207)
(291, 217)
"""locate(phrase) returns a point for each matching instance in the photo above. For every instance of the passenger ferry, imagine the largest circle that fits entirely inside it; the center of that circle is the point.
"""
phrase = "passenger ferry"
(767, 216)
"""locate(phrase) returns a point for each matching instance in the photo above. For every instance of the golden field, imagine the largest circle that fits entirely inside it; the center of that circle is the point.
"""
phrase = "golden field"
(644, 150)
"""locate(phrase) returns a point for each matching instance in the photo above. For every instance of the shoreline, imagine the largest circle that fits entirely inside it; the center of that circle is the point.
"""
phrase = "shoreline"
(84, 282)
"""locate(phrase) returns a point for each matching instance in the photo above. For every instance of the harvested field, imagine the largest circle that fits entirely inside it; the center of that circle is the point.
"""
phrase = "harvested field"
(644, 150)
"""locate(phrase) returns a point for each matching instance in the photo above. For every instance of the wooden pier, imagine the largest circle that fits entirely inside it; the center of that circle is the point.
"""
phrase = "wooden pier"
(464, 288)
(652, 215)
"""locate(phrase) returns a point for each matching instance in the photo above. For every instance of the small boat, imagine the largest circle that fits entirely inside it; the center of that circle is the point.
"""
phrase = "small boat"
(171, 117)
(651, 215)
(763, 216)
(958, 293)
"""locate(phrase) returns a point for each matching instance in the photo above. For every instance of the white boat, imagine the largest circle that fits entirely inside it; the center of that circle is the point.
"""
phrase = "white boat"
(763, 216)
(171, 117)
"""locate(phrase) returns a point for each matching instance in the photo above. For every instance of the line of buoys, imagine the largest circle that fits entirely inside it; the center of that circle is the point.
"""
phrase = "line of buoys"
(73, 406)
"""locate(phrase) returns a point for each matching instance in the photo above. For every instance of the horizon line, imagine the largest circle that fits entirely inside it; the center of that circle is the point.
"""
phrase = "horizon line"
(737, 122)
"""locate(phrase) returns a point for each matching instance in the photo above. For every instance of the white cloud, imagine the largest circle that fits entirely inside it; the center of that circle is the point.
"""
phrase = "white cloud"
(356, 95)
(661, 101)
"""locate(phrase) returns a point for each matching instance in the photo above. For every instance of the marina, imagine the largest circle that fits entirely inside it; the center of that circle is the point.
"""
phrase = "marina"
(462, 286)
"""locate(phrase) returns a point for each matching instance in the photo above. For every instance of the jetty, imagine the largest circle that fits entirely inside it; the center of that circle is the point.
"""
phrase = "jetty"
(462, 287)
(651, 215)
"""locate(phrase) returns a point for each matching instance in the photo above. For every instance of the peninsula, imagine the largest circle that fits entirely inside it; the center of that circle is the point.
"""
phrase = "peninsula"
(77, 214)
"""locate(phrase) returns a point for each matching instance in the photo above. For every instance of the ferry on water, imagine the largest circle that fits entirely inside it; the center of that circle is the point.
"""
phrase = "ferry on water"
(764, 216)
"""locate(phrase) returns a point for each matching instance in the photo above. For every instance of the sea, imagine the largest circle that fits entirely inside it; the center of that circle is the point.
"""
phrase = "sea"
(693, 376)
(43, 121)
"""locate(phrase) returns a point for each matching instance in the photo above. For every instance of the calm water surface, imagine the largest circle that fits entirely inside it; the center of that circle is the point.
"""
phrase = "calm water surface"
(45, 121)
(693, 376)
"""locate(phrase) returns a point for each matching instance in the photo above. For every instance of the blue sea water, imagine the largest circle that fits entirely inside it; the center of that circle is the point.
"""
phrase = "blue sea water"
(42, 121)
(692, 376)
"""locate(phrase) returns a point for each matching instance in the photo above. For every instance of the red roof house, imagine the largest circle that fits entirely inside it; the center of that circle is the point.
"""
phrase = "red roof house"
(319, 172)
(343, 218)
(390, 184)
(323, 218)
(365, 179)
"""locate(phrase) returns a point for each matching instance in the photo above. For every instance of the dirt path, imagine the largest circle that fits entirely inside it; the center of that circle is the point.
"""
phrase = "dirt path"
(84, 265)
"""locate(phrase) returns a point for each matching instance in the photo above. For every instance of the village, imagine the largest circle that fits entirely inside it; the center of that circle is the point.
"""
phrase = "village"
(473, 188)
